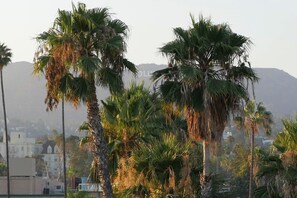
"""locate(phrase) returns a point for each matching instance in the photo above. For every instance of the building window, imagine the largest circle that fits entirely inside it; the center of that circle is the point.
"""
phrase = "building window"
(19, 136)
(49, 149)
(56, 149)
(58, 187)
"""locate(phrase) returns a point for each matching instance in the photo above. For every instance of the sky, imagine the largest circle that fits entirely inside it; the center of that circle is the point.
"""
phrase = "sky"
(270, 24)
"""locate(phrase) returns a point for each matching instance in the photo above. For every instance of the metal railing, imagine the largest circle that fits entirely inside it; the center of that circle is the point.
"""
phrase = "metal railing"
(36, 196)
(89, 187)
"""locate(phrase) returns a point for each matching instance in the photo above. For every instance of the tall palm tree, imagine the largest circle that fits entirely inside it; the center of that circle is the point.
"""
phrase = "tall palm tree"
(84, 48)
(5, 58)
(255, 116)
(64, 147)
(206, 75)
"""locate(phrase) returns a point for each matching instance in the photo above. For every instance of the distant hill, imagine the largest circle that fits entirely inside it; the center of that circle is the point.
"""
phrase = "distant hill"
(25, 94)
(278, 91)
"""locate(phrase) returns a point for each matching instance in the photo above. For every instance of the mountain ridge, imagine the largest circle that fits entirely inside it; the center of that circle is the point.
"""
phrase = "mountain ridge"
(25, 93)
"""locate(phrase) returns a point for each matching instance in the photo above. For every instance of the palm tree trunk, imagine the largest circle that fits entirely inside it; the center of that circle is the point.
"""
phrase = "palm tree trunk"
(64, 148)
(126, 143)
(205, 179)
(242, 130)
(218, 156)
(6, 136)
(100, 148)
(252, 164)
(206, 158)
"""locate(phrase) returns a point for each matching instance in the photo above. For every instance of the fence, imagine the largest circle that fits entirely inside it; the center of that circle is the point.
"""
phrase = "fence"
(36, 196)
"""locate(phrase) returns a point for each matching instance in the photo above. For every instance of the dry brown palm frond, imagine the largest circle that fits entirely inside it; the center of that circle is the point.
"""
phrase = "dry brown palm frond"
(185, 184)
(289, 159)
(61, 57)
(195, 123)
(127, 176)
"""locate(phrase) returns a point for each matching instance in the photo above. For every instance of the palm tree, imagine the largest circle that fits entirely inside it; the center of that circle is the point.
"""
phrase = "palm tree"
(206, 73)
(132, 117)
(279, 169)
(161, 162)
(5, 58)
(128, 119)
(84, 48)
(256, 116)
(64, 148)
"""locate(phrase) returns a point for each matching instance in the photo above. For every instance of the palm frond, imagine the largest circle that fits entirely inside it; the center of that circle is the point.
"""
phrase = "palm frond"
(5, 55)
(225, 88)
(41, 63)
(130, 66)
(88, 65)
(110, 78)
(83, 127)
(167, 72)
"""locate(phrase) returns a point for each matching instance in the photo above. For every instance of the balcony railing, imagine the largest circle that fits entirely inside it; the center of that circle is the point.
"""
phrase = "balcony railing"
(89, 187)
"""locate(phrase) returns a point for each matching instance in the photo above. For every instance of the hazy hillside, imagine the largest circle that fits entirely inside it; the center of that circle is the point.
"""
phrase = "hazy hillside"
(278, 90)
(25, 94)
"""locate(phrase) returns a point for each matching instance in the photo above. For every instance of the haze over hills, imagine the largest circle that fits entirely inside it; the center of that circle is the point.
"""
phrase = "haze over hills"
(278, 91)
(25, 94)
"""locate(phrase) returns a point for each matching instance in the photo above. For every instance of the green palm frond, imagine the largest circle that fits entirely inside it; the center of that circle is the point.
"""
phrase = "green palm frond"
(243, 72)
(226, 88)
(41, 64)
(74, 87)
(88, 65)
(169, 72)
(175, 50)
(107, 77)
(190, 75)
(287, 139)
(83, 127)
(119, 26)
(261, 192)
(172, 92)
(99, 16)
(5, 55)
(257, 116)
(154, 160)
(135, 191)
(114, 43)
(129, 65)
(64, 21)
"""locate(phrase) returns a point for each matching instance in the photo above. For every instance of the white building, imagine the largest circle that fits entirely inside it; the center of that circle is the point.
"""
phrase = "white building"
(20, 146)
(52, 158)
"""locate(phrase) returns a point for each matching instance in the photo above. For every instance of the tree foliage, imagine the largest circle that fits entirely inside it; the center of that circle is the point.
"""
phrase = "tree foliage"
(278, 171)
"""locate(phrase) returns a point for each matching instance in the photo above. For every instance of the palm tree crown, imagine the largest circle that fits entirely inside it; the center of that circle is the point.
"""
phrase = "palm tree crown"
(206, 72)
(83, 45)
(5, 55)
(256, 116)
(5, 58)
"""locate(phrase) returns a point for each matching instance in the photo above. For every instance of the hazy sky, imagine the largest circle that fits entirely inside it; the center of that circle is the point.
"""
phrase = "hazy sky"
(270, 24)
